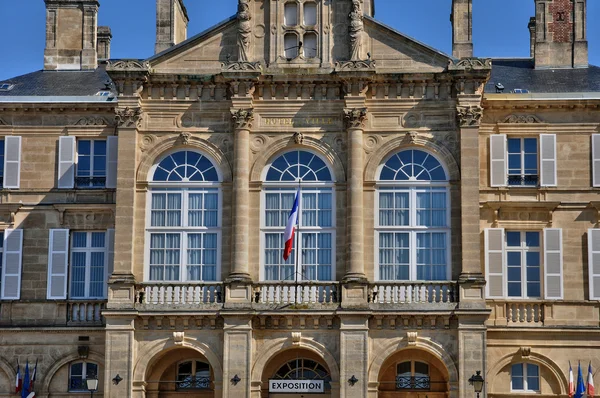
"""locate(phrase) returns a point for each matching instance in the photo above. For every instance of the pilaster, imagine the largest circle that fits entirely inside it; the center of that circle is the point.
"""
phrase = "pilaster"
(237, 355)
(472, 352)
(119, 356)
(354, 355)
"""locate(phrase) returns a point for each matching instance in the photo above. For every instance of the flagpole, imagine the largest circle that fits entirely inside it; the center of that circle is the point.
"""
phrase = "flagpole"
(297, 240)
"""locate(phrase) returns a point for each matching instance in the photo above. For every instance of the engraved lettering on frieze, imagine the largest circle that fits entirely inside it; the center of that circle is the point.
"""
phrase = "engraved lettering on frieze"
(91, 121)
(129, 117)
(298, 138)
(300, 121)
(242, 118)
(469, 115)
(561, 16)
(522, 119)
(355, 118)
(185, 138)
(99, 220)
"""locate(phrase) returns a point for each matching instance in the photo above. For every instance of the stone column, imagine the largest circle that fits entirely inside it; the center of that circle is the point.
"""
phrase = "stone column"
(354, 355)
(237, 355)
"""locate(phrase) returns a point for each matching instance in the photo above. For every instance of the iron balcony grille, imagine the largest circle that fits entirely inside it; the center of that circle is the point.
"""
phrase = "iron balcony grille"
(529, 180)
(412, 383)
(194, 383)
(90, 182)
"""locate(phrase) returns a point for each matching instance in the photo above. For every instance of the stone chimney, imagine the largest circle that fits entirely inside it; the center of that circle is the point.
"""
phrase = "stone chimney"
(104, 38)
(462, 28)
(171, 24)
(560, 34)
(71, 27)
(531, 27)
(369, 8)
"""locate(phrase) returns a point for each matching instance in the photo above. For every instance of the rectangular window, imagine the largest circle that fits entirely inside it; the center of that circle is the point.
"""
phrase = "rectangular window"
(523, 162)
(79, 372)
(1, 162)
(88, 265)
(523, 264)
(525, 377)
(91, 164)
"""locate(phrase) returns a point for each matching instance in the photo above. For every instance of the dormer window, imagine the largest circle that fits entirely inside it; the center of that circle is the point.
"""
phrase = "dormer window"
(300, 24)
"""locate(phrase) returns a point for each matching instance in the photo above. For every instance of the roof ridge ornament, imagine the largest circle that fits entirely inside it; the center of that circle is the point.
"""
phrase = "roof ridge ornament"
(470, 63)
(129, 65)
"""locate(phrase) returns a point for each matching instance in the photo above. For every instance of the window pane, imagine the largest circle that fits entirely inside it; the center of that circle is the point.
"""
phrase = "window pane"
(310, 14)
(513, 239)
(310, 45)
(403, 369)
(517, 377)
(421, 369)
(291, 14)
(532, 239)
(290, 44)
(79, 239)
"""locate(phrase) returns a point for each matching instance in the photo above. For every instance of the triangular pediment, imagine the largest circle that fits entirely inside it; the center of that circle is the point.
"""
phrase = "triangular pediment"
(395, 52)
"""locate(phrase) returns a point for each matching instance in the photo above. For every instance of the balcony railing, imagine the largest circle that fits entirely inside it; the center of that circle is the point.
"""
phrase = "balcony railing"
(85, 312)
(290, 293)
(173, 293)
(525, 314)
(413, 383)
(397, 292)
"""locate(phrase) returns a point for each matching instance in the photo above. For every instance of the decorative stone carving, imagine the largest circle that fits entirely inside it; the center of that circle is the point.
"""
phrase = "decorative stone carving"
(355, 31)
(522, 119)
(525, 352)
(128, 65)
(147, 142)
(472, 63)
(129, 117)
(241, 66)
(469, 115)
(298, 138)
(244, 30)
(412, 338)
(83, 351)
(257, 143)
(354, 65)
(411, 137)
(411, 120)
(91, 121)
(355, 117)
(242, 118)
(178, 337)
(296, 337)
(86, 220)
(3, 123)
(371, 142)
(185, 138)
(449, 141)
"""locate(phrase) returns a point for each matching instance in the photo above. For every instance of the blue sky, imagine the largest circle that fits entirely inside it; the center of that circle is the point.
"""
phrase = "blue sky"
(499, 27)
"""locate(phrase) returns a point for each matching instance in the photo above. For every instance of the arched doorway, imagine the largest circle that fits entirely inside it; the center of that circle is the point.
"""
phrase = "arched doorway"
(413, 373)
(179, 373)
(296, 374)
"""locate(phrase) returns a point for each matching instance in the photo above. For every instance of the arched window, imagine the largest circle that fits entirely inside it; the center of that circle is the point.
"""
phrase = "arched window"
(79, 372)
(305, 173)
(412, 375)
(413, 218)
(184, 219)
(193, 375)
(303, 369)
(525, 377)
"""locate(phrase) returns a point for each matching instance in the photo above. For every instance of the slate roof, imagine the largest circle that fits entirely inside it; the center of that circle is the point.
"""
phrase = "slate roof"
(58, 83)
(520, 74)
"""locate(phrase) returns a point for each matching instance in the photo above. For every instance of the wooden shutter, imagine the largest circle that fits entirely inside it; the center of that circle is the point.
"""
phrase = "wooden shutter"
(66, 162)
(548, 160)
(594, 263)
(58, 261)
(110, 256)
(553, 263)
(12, 262)
(12, 162)
(495, 263)
(498, 173)
(111, 162)
(596, 160)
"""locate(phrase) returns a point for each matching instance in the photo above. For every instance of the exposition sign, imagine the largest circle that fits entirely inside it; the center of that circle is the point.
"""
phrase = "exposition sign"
(297, 386)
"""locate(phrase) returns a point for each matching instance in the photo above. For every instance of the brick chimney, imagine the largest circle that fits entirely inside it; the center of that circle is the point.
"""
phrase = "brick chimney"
(560, 34)
(71, 27)
(104, 38)
(171, 24)
(462, 28)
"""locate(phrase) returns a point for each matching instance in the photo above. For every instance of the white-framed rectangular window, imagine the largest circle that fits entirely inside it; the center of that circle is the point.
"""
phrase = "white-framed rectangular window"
(301, 26)
(91, 163)
(412, 233)
(524, 264)
(184, 232)
(316, 234)
(87, 163)
(79, 372)
(12, 264)
(594, 263)
(10, 164)
(88, 265)
(522, 161)
(525, 377)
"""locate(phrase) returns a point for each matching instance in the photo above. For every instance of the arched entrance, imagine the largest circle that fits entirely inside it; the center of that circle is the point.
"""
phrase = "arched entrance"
(296, 373)
(182, 372)
(413, 373)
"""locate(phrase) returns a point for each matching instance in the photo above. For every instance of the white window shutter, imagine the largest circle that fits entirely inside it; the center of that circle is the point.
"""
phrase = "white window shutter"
(594, 263)
(111, 161)
(596, 160)
(110, 255)
(553, 263)
(58, 264)
(12, 262)
(548, 160)
(498, 170)
(66, 162)
(12, 162)
(494, 263)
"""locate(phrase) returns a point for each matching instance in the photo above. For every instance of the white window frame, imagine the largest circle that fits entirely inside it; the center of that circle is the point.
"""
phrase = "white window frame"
(91, 176)
(524, 249)
(523, 175)
(525, 382)
(84, 373)
(88, 251)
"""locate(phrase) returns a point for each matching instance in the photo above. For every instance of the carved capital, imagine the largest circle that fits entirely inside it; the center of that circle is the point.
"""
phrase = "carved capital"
(469, 115)
(128, 117)
(355, 118)
(242, 118)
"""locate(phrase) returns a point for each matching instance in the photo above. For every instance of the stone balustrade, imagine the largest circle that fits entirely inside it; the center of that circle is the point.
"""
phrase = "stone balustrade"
(180, 293)
(525, 313)
(398, 292)
(290, 293)
(87, 312)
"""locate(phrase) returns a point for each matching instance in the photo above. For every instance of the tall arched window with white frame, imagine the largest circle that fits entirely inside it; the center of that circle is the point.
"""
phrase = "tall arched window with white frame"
(183, 226)
(307, 173)
(412, 218)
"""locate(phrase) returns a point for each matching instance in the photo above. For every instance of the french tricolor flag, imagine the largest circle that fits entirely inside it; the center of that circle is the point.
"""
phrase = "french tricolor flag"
(290, 228)
(571, 381)
(590, 381)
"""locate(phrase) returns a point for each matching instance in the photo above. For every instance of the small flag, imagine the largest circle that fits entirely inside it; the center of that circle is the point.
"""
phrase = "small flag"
(580, 389)
(571, 381)
(590, 381)
(25, 390)
(18, 380)
(33, 374)
(290, 228)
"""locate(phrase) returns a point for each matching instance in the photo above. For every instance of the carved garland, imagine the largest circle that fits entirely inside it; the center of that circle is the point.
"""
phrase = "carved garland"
(242, 118)
(129, 117)
(469, 115)
(522, 119)
(355, 117)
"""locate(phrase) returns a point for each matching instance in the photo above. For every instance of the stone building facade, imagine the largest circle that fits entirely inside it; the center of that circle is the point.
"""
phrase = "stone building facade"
(448, 208)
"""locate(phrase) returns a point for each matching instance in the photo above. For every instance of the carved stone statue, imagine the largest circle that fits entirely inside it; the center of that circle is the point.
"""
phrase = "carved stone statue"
(244, 30)
(355, 31)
